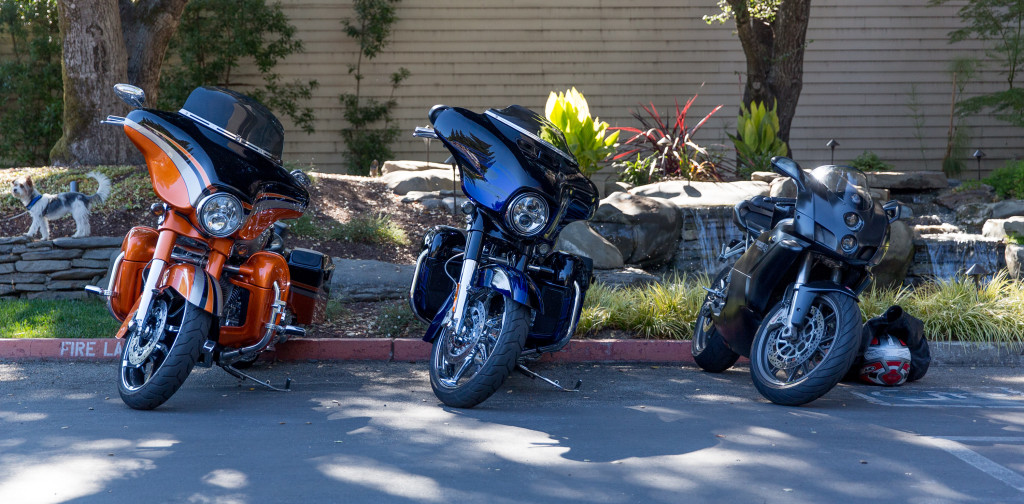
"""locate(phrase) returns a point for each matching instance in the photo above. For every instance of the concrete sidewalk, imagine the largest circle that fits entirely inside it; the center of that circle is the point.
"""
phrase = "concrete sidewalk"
(416, 350)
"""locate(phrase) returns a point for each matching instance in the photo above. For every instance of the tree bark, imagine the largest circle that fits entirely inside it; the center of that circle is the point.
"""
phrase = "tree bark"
(148, 26)
(775, 57)
(93, 60)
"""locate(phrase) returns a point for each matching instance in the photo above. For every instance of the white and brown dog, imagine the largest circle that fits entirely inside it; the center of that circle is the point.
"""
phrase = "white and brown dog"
(45, 207)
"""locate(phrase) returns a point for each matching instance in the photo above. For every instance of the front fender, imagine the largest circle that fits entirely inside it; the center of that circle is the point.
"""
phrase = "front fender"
(196, 286)
(509, 282)
(805, 294)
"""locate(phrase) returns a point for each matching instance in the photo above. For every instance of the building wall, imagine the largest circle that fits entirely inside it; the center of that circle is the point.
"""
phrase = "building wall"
(866, 63)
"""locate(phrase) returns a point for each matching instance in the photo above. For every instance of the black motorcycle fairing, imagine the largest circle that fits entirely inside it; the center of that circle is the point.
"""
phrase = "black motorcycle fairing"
(758, 280)
(498, 164)
(820, 212)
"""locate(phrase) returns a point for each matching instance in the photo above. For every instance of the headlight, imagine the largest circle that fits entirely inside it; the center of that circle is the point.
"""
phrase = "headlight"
(849, 244)
(220, 214)
(527, 214)
(853, 221)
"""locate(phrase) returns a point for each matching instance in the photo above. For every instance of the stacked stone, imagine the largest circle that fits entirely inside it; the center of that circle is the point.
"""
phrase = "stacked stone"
(54, 269)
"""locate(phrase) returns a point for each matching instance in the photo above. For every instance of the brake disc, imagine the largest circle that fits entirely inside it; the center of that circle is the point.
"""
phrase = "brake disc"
(150, 332)
(786, 353)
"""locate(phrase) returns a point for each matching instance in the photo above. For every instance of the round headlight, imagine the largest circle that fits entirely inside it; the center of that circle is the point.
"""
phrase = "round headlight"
(849, 244)
(527, 214)
(852, 221)
(220, 214)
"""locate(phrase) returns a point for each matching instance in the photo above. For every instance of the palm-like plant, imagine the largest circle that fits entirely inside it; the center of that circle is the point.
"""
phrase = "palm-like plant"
(670, 142)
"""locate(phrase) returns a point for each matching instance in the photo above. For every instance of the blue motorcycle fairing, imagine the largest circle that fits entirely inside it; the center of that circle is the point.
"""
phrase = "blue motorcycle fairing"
(499, 162)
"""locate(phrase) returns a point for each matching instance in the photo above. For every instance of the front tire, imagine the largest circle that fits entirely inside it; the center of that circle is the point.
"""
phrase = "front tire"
(708, 347)
(158, 356)
(794, 372)
(468, 368)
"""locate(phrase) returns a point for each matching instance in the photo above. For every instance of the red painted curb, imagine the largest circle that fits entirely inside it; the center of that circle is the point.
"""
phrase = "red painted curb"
(342, 349)
(334, 349)
(411, 350)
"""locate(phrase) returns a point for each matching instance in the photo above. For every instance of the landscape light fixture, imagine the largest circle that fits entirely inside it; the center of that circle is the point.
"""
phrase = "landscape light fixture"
(977, 272)
(832, 144)
(978, 154)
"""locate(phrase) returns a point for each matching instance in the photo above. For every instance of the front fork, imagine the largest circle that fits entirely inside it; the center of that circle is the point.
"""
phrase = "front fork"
(161, 254)
(474, 248)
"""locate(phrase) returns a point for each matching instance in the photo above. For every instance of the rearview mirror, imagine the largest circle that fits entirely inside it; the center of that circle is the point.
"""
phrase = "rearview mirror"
(132, 95)
(789, 168)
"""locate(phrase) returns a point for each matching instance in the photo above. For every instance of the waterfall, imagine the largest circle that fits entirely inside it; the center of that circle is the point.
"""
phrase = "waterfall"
(952, 254)
(705, 231)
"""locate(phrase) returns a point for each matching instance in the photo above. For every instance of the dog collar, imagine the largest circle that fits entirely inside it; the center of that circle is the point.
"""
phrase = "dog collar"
(33, 202)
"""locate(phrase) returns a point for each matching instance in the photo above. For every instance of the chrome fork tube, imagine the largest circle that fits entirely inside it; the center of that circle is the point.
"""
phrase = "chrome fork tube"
(474, 246)
(162, 252)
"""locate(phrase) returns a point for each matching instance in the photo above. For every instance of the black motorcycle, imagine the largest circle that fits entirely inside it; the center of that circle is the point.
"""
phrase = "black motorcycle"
(496, 291)
(790, 301)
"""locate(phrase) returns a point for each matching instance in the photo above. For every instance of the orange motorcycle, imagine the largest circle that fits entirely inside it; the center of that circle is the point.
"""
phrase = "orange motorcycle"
(212, 283)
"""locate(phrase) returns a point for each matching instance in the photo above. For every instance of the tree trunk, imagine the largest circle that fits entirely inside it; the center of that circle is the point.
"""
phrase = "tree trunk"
(93, 61)
(775, 57)
(148, 26)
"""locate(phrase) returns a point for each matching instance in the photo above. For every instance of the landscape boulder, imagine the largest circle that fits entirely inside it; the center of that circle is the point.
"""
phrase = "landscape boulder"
(403, 182)
(579, 238)
(644, 229)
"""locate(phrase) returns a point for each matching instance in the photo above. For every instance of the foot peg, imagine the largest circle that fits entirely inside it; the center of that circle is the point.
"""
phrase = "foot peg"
(99, 291)
(243, 376)
(554, 383)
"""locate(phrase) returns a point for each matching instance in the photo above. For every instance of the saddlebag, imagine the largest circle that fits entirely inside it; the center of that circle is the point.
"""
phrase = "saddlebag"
(311, 274)
(431, 285)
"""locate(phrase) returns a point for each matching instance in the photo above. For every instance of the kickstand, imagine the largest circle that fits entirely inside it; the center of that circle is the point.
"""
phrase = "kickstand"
(554, 383)
(242, 376)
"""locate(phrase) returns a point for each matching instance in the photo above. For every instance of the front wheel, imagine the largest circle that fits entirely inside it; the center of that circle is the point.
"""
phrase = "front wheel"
(466, 368)
(796, 369)
(708, 347)
(160, 353)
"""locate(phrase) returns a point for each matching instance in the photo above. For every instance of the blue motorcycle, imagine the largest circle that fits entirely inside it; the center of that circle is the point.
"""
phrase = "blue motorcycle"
(496, 292)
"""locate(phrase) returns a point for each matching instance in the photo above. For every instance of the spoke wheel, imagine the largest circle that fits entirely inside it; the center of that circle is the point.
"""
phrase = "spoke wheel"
(794, 369)
(708, 348)
(468, 367)
(160, 353)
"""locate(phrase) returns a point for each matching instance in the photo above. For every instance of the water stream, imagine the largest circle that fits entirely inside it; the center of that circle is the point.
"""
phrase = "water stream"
(952, 254)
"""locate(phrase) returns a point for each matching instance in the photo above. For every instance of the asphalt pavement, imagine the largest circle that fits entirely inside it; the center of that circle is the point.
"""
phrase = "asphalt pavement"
(373, 432)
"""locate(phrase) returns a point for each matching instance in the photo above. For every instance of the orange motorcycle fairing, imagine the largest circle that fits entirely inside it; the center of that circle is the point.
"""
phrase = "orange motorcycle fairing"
(177, 176)
(126, 277)
(195, 285)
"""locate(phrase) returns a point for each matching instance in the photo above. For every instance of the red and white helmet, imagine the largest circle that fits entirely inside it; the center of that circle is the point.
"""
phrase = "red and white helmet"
(886, 362)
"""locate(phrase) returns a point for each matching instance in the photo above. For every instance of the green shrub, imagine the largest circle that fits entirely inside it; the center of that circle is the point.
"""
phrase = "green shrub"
(665, 311)
(957, 310)
(215, 36)
(1008, 181)
(869, 161)
(371, 132)
(640, 172)
(757, 139)
(31, 85)
(587, 137)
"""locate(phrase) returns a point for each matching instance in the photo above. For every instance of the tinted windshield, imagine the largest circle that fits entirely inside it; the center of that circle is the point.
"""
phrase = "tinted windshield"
(534, 126)
(848, 184)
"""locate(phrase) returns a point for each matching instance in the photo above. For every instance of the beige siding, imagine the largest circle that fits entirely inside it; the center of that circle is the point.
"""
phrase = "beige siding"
(861, 63)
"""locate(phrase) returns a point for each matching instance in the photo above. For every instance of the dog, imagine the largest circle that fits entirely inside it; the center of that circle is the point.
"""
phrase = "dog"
(45, 207)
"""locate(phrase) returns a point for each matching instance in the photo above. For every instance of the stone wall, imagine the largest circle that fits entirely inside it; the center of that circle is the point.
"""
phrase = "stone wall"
(54, 269)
